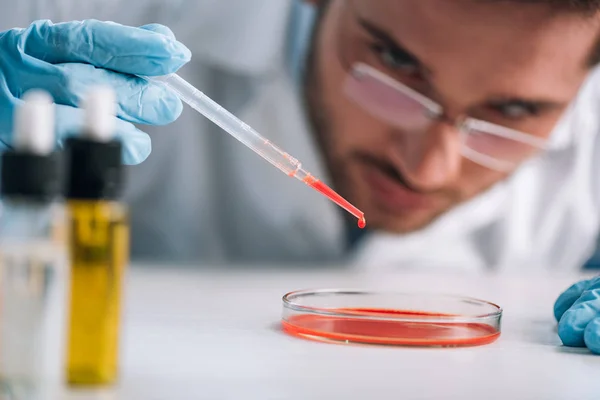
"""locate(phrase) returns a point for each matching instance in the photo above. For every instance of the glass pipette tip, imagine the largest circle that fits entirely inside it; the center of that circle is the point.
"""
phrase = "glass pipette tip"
(252, 139)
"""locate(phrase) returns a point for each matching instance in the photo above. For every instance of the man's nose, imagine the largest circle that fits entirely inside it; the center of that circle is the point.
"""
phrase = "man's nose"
(430, 159)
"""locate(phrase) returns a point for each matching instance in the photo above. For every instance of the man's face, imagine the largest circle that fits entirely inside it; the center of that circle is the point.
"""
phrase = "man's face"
(515, 65)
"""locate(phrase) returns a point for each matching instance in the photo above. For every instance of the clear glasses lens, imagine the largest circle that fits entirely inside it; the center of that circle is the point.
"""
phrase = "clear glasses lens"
(502, 152)
(386, 102)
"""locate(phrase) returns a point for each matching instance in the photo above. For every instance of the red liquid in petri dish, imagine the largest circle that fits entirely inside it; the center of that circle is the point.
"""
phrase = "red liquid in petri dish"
(389, 332)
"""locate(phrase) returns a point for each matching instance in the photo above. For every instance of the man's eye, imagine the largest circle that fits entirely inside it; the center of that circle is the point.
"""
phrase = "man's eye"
(396, 60)
(516, 110)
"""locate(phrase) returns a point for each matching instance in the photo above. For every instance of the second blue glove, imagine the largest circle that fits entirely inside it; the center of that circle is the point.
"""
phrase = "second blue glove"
(577, 311)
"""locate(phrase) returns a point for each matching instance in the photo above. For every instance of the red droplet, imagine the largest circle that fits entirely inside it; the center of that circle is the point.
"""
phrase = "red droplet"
(362, 222)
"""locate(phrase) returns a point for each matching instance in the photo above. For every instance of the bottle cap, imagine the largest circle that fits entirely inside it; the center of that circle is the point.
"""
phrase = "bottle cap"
(32, 169)
(100, 110)
(34, 124)
(94, 157)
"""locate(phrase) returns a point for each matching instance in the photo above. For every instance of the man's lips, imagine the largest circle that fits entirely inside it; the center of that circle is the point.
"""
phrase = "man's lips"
(392, 190)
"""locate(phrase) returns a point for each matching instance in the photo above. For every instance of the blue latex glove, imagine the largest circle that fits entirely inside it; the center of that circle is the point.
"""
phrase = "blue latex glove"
(577, 311)
(65, 59)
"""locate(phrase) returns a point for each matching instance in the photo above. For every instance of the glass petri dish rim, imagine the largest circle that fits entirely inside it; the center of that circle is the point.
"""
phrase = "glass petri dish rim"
(288, 303)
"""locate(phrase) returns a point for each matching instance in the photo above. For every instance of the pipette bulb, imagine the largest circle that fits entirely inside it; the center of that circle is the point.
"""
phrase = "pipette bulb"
(34, 124)
(100, 109)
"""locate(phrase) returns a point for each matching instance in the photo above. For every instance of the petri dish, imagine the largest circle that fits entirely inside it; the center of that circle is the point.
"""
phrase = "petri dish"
(390, 318)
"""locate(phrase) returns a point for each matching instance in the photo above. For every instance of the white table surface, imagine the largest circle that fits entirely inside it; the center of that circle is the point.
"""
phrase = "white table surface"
(215, 335)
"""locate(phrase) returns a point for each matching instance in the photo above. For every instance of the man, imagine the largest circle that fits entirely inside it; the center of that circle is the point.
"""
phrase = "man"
(465, 130)
(497, 63)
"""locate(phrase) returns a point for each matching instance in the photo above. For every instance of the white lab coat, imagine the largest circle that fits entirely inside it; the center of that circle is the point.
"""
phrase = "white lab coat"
(203, 196)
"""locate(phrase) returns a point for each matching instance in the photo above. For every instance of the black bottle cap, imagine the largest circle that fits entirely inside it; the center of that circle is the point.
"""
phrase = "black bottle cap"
(94, 169)
(31, 176)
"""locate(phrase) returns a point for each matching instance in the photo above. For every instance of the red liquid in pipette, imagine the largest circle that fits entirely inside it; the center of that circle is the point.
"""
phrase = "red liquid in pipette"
(336, 198)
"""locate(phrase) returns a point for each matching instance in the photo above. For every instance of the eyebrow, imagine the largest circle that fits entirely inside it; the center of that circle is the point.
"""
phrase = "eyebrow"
(385, 37)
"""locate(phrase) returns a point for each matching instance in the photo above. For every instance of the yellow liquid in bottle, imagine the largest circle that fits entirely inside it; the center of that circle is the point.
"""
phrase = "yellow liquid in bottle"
(99, 249)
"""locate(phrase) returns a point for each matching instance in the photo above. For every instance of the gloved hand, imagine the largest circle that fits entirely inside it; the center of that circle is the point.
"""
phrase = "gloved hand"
(577, 311)
(65, 59)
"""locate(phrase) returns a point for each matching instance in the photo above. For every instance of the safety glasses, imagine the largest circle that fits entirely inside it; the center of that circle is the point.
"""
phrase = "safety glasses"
(493, 146)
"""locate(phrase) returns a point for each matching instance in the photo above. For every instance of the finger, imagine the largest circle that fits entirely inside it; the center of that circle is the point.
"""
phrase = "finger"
(139, 101)
(136, 144)
(158, 28)
(592, 336)
(106, 45)
(568, 297)
(575, 320)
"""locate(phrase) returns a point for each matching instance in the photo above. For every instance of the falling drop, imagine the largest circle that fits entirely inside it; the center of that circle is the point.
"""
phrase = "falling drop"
(362, 222)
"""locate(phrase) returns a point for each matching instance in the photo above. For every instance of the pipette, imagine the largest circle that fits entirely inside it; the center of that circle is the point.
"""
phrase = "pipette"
(248, 136)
